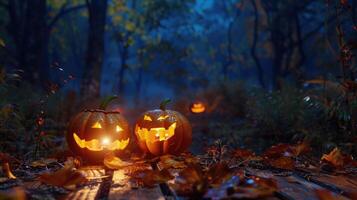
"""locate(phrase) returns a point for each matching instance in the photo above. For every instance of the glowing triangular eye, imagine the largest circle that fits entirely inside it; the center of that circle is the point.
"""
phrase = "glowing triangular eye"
(97, 125)
(118, 128)
(163, 117)
(148, 118)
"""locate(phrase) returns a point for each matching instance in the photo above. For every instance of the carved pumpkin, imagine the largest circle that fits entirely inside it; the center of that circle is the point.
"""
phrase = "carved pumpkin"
(94, 133)
(163, 131)
(197, 107)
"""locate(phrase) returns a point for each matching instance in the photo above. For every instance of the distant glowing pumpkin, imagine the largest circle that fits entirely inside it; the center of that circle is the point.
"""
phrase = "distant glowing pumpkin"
(94, 133)
(163, 131)
(197, 107)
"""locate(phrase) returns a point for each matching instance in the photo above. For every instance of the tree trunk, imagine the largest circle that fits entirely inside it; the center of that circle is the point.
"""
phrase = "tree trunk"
(123, 67)
(254, 45)
(90, 86)
(138, 84)
(37, 59)
(28, 28)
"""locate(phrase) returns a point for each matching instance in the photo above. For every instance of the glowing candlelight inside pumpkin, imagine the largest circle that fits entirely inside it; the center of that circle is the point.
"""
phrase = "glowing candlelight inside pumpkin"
(197, 107)
(105, 141)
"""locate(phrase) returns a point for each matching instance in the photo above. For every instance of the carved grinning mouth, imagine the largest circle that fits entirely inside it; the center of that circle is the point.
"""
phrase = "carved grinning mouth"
(96, 145)
(157, 133)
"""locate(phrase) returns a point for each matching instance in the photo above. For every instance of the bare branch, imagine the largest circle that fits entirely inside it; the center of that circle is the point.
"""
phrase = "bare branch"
(63, 11)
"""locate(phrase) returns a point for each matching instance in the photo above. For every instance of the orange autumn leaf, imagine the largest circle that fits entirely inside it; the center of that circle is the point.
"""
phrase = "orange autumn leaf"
(7, 171)
(149, 178)
(218, 173)
(73, 162)
(168, 161)
(322, 194)
(337, 159)
(280, 150)
(113, 162)
(66, 177)
(243, 153)
(283, 163)
(301, 148)
(5, 159)
(189, 159)
(276, 151)
(16, 193)
(191, 182)
(194, 182)
(63, 178)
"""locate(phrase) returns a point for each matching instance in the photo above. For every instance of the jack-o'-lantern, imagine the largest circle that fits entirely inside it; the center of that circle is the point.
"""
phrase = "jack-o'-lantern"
(197, 107)
(94, 133)
(163, 131)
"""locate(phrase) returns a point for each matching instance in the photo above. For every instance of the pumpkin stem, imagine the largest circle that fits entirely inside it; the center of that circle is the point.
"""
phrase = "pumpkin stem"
(164, 103)
(105, 102)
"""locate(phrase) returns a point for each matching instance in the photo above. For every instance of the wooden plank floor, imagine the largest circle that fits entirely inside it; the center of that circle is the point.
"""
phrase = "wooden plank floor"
(109, 184)
(292, 186)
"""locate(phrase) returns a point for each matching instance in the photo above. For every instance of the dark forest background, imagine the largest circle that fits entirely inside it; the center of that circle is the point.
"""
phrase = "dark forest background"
(268, 71)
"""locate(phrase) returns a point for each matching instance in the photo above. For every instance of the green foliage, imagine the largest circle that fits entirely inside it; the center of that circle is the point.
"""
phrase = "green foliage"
(291, 115)
(20, 108)
(282, 113)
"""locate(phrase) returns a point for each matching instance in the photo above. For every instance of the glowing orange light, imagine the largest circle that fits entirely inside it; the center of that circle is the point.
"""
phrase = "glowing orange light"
(118, 128)
(198, 107)
(105, 141)
(97, 125)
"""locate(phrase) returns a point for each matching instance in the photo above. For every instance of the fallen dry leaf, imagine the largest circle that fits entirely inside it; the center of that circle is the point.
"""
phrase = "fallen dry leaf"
(168, 162)
(194, 182)
(322, 194)
(218, 173)
(43, 162)
(189, 159)
(301, 148)
(66, 177)
(16, 193)
(113, 162)
(337, 159)
(243, 154)
(277, 151)
(73, 162)
(283, 163)
(190, 182)
(7, 170)
(149, 178)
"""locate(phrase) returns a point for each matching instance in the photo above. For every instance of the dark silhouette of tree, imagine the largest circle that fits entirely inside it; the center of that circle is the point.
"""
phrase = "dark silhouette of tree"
(90, 85)
(253, 51)
(287, 38)
(29, 26)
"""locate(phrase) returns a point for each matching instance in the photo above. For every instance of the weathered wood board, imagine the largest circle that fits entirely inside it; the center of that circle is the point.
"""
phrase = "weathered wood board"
(112, 185)
(109, 184)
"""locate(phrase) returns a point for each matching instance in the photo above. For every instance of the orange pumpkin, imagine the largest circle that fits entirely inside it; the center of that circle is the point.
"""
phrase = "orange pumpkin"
(163, 131)
(94, 133)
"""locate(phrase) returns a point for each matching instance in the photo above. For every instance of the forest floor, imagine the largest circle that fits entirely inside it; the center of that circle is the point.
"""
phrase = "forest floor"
(218, 171)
